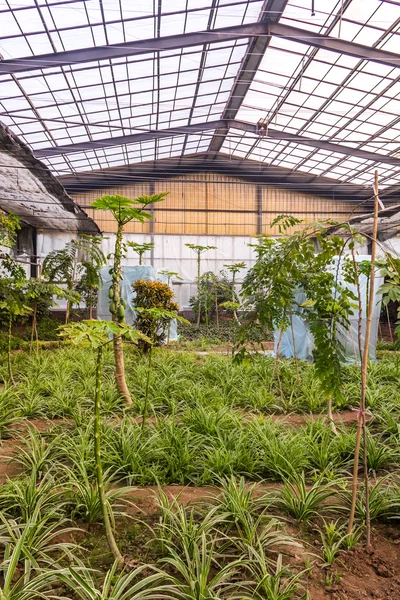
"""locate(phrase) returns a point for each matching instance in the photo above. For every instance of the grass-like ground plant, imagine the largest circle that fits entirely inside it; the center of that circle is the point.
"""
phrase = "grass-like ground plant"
(306, 502)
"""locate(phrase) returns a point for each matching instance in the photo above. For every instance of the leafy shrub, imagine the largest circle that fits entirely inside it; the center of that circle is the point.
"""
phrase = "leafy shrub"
(16, 342)
(211, 287)
(153, 294)
(48, 329)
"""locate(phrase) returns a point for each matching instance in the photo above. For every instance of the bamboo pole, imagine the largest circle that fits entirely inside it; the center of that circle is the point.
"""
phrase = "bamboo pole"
(361, 423)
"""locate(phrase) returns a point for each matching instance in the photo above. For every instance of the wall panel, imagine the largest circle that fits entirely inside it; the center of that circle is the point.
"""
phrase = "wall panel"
(216, 204)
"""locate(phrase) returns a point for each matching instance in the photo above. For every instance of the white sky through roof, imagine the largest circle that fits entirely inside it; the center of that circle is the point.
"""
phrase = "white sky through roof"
(297, 89)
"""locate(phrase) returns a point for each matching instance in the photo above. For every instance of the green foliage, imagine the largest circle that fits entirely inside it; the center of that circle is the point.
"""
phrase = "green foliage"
(211, 288)
(78, 266)
(170, 274)
(303, 503)
(48, 329)
(140, 249)
(290, 268)
(204, 337)
(200, 249)
(155, 309)
(126, 209)
(10, 224)
(98, 333)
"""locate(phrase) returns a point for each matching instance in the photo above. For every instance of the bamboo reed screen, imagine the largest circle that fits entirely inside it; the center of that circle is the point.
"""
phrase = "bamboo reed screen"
(215, 204)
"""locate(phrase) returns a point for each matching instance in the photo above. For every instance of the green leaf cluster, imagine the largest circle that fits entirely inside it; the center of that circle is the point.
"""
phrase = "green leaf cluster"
(125, 209)
(288, 268)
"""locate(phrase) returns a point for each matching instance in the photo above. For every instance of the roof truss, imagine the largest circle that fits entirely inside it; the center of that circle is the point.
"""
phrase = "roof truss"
(224, 125)
(264, 29)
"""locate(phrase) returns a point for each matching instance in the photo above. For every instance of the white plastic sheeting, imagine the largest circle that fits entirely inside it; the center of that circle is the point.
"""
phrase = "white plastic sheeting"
(130, 275)
(170, 252)
(298, 340)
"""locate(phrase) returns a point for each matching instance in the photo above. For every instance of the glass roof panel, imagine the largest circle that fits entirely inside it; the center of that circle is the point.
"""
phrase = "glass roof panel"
(297, 88)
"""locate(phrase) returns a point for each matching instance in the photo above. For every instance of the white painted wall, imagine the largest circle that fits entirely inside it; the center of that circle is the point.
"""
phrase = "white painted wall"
(170, 253)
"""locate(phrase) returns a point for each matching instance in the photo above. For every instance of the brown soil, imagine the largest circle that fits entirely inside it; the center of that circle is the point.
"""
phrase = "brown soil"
(361, 573)
(347, 417)
(144, 501)
(9, 467)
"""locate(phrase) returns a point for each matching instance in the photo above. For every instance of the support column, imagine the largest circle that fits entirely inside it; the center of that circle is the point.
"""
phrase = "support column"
(259, 209)
(151, 222)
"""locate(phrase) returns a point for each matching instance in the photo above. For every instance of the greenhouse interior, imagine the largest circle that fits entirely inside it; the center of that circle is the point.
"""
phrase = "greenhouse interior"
(199, 299)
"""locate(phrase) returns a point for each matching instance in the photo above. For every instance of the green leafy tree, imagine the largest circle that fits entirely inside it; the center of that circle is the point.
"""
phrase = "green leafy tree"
(234, 268)
(287, 269)
(199, 250)
(78, 267)
(10, 224)
(123, 211)
(39, 297)
(14, 306)
(140, 249)
(97, 334)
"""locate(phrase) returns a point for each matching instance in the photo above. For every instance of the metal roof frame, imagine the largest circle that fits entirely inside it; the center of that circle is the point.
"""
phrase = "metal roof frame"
(211, 123)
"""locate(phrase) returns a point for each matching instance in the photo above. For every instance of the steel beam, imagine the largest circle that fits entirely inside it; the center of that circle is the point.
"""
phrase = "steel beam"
(134, 138)
(170, 42)
(295, 34)
(271, 12)
(197, 163)
(220, 125)
(264, 29)
(276, 134)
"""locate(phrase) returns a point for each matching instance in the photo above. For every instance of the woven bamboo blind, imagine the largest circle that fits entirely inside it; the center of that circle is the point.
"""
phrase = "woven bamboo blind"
(215, 204)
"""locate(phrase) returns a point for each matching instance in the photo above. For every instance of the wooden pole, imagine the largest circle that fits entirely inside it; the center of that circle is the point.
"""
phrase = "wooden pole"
(361, 424)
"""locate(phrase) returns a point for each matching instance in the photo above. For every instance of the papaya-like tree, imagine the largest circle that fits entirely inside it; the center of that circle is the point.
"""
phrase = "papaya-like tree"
(123, 211)
(140, 249)
(199, 250)
(97, 334)
(156, 318)
(77, 266)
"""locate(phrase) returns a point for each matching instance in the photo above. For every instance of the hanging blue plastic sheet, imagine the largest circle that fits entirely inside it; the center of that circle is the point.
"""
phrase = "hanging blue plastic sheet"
(298, 340)
(130, 276)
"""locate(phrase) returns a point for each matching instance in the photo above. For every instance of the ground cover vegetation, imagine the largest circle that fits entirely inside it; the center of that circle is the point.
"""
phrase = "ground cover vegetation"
(254, 430)
(211, 422)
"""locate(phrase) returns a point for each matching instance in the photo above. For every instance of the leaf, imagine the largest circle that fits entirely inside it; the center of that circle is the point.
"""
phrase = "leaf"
(98, 333)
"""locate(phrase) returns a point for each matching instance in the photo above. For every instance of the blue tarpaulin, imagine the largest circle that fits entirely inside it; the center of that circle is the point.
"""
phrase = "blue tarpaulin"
(130, 275)
(298, 341)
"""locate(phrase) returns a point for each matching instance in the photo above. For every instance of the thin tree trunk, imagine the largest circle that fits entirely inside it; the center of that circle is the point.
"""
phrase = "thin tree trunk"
(198, 291)
(276, 361)
(294, 349)
(359, 428)
(34, 328)
(216, 311)
(67, 311)
(118, 346)
(329, 415)
(234, 297)
(389, 324)
(10, 373)
(112, 544)
(146, 397)
(90, 312)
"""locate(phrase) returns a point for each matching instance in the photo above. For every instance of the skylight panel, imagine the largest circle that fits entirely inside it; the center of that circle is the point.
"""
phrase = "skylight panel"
(14, 47)
(391, 44)
(229, 15)
(64, 15)
(197, 21)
